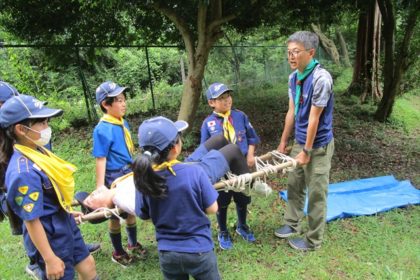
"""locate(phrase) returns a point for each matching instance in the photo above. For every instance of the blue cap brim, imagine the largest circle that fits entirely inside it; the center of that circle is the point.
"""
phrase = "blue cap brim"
(181, 125)
(46, 113)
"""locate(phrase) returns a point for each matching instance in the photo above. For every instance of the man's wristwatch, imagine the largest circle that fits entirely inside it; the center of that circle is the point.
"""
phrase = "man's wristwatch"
(308, 152)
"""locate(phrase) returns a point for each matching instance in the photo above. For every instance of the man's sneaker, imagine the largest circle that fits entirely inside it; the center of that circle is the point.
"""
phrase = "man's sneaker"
(137, 250)
(284, 232)
(124, 260)
(246, 233)
(301, 245)
(225, 242)
(34, 271)
(93, 247)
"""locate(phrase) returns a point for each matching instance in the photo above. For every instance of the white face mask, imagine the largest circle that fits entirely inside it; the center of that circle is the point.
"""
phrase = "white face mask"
(45, 136)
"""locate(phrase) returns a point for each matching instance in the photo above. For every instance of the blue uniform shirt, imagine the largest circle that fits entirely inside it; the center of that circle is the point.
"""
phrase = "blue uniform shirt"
(245, 133)
(180, 219)
(109, 142)
(317, 91)
(32, 196)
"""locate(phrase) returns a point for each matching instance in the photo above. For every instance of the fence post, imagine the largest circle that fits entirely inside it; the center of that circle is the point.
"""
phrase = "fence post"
(150, 77)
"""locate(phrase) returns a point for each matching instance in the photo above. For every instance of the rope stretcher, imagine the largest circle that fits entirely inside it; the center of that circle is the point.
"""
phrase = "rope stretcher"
(234, 182)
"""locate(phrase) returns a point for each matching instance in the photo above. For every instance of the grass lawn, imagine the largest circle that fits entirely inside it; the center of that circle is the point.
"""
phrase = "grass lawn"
(383, 246)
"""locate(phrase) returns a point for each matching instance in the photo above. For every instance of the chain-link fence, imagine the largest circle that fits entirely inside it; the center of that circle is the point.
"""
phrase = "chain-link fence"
(154, 74)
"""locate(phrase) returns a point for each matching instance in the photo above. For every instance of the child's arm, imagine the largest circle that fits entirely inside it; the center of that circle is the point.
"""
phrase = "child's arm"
(204, 133)
(100, 171)
(54, 265)
(212, 209)
(250, 157)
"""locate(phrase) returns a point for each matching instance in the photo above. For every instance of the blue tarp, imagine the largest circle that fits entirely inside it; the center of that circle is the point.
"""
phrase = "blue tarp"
(367, 197)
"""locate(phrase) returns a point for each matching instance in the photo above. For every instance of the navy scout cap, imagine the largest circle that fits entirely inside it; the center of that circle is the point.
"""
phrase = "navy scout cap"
(215, 90)
(108, 89)
(21, 107)
(159, 132)
(7, 91)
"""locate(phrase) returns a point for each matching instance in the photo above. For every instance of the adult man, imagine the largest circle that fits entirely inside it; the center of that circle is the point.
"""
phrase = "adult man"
(310, 111)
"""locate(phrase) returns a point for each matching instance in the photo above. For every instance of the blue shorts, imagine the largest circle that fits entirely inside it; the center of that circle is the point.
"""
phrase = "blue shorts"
(111, 175)
(66, 241)
(213, 162)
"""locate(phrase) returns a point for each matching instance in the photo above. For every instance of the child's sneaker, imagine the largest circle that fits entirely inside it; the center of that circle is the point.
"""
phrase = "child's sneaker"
(137, 250)
(34, 271)
(246, 233)
(225, 242)
(124, 259)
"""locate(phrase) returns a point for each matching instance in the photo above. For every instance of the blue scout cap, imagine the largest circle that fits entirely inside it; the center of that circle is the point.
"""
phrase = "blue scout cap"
(159, 132)
(108, 89)
(21, 107)
(7, 91)
(215, 90)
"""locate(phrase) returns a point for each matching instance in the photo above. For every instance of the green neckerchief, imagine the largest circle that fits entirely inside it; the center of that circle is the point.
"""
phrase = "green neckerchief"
(300, 77)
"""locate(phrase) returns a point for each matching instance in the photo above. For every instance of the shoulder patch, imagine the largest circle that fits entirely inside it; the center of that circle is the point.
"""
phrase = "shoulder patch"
(34, 196)
(19, 200)
(211, 123)
(28, 207)
(23, 189)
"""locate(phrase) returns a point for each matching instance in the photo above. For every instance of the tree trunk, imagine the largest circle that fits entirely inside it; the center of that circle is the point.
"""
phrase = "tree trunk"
(365, 80)
(343, 48)
(327, 44)
(396, 63)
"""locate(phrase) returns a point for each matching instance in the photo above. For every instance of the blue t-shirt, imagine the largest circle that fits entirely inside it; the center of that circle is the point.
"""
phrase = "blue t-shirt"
(31, 196)
(180, 219)
(317, 91)
(109, 142)
(245, 132)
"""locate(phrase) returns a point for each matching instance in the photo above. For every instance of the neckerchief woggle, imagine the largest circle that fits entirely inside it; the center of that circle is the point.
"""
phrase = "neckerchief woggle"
(59, 171)
(299, 78)
(166, 165)
(127, 136)
(228, 129)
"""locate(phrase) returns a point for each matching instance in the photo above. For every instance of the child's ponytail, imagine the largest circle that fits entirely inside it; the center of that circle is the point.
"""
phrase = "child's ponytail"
(145, 178)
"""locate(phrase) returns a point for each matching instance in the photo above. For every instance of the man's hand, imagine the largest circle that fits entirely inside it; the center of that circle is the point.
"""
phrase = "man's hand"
(302, 158)
(54, 268)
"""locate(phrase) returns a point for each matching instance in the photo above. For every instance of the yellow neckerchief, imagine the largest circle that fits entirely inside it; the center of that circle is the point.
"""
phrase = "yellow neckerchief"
(127, 135)
(59, 171)
(166, 164)
(120, 179)
(228, 129)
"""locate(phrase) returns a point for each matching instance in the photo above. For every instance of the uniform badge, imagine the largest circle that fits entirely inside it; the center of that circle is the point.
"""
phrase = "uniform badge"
(23, 189)
(211, 123)
(19, 200)
(34, 196)
(28, 207)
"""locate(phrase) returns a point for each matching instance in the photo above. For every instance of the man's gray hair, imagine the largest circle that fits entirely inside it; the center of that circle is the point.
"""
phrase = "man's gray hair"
(308, 39)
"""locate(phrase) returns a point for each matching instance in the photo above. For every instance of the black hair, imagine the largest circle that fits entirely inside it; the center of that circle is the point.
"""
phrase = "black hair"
(109, 101)
(146, 180)
(7, 140)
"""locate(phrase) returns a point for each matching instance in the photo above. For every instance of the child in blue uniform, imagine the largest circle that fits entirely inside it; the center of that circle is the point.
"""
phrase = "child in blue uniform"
(177, 197)
(40, 190)
(237, 129)
(113, 150)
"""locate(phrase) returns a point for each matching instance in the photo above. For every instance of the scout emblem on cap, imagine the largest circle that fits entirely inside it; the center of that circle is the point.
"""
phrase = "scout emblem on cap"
(217, 87)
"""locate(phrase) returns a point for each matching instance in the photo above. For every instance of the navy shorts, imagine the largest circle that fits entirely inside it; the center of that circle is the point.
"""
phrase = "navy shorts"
(111, 175)
(224, 198)
(213, 162)
(66, 241)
